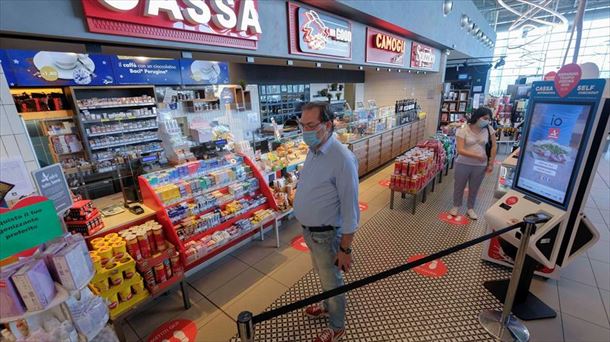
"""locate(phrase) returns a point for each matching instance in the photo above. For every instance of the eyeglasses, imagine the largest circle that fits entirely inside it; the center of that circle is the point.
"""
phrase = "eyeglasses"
(309, 126)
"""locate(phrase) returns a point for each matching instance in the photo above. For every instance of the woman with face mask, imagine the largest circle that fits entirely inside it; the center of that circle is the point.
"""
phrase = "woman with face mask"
(476, 148)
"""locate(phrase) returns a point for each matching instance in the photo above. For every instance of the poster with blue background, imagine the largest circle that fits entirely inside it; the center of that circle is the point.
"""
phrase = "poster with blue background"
(49, 68)
(196, 72)
(142, 70)
(8, 71)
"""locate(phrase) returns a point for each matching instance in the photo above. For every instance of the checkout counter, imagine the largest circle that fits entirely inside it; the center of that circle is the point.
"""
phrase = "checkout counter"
(117, 222)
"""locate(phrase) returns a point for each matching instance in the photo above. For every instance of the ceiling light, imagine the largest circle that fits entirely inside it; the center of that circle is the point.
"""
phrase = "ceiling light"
(464, 21)
(340, 66)
(318, 65)
(361, 67)
(471, 25)
(289, 62)
(563, 21)
(389, 70)
(378, 69)
(475, 30)
(447, 7)
(249, 59)
(399, 70)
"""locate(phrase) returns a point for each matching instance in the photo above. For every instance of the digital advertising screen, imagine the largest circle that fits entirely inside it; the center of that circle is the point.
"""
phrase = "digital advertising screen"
(551, 149)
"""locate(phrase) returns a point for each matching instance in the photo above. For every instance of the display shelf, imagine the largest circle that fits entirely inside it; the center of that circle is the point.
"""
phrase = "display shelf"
(129, 105)
(51, 115)
(120, 119)
(220, 206)
(152, 200)
(95, 148)
(205, 191)
(61, 296)
(93, 135)
(201, 174)
(226, 224)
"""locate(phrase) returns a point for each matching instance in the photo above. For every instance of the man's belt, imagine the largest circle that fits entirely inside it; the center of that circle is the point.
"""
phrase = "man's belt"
(319, 229)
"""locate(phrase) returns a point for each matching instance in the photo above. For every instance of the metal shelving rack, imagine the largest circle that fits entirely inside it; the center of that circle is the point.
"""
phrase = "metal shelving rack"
(282, 101)
(125, 144)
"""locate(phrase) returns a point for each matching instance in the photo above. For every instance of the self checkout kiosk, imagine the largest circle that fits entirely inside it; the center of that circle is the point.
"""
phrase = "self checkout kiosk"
(561, 145)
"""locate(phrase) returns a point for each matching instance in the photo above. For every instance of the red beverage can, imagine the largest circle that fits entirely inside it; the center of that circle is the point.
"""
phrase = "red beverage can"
(149, 278)
(397, 167)
(159, 239)
(175, 262)
(412, 168)
(144, 245)
(160, 276)
(150, 236)
(132, 247)
(404, 168)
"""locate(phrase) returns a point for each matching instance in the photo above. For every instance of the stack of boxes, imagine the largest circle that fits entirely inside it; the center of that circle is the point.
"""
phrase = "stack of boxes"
(84, 218)
(116, 279)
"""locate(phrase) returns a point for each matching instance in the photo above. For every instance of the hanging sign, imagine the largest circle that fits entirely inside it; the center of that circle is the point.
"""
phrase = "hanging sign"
(313, 32)
(52, 184)
(567, 79)
(211, 22)
(422, 56)
(49, 68)
(146, 71)
(385, 48)
(31, 222)
(203, 72)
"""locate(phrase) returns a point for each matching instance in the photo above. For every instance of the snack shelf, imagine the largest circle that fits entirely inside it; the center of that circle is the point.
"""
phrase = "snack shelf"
(93, 135)
(226, 224)
(61, 296)
(120, 119)
(153, 201)
(205, 191)
(221, 206)
(127, 105)
(124, 143)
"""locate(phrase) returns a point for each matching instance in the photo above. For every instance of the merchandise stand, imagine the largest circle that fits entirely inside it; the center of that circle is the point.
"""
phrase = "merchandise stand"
(424, 190)
(152, 200)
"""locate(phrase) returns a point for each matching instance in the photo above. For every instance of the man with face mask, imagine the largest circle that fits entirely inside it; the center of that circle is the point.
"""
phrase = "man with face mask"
(326, 205)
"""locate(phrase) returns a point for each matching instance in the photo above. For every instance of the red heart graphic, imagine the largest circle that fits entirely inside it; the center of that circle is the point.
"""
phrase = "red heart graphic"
(567, 79)
(550, 76)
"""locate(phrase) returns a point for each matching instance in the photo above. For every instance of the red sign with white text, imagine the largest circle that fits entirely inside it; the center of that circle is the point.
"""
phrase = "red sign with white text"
(567, 79)
(200, 22)
(433, 269)
(175, 331)
(385, 48)
(422, 56)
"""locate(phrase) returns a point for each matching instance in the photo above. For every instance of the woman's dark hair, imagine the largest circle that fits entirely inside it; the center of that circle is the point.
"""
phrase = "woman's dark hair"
(478, 113)
(326, 115)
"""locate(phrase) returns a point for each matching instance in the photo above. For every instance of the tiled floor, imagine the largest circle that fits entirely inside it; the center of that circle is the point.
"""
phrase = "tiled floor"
(258, 275)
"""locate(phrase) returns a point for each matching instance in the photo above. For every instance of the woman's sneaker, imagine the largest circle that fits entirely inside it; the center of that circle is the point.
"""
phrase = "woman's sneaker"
(453, 211)
(330, 335)
(472, 214)
(316, 310)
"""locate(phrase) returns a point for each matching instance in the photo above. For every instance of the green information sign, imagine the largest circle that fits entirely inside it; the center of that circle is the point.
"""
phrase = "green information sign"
(28, 227)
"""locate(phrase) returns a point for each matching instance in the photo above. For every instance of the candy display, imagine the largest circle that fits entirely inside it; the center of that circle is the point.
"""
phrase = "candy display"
(115, 101)
(289, 153)
(197, 249)
(284, 190)
(115, 279)
(414, 169)
(84, 218)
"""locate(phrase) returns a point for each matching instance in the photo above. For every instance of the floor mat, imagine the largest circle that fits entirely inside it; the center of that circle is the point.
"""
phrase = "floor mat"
(408, 306)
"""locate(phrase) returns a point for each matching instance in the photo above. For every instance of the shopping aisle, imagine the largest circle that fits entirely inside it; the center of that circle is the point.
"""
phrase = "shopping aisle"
(409, 306)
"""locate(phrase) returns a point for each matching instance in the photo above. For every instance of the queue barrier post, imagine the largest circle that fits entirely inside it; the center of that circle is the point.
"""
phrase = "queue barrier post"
(245, 326)
(504, 326)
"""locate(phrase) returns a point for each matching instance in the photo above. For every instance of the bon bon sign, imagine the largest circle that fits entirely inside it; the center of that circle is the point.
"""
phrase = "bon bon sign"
(192, 21)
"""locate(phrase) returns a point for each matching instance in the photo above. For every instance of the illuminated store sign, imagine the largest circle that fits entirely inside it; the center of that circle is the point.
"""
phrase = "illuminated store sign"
(313, 32)
(385, 48)
(192, 21)
(422, 56)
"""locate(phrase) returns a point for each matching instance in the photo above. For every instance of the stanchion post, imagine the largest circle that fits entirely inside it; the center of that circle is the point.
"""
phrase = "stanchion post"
(245, 326)
(503, 325)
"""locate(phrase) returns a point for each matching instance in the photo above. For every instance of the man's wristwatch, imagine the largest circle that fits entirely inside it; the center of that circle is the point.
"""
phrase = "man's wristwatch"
(347, 250)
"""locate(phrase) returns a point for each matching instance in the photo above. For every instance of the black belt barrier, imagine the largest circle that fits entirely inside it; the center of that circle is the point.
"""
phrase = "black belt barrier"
(376, 277)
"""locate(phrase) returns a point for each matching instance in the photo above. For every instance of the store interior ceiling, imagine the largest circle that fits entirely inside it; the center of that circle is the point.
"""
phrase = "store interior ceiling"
(501, 18)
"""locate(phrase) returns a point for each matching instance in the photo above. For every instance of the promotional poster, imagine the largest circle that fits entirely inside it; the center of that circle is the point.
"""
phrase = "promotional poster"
(146, 71)
(203, 72)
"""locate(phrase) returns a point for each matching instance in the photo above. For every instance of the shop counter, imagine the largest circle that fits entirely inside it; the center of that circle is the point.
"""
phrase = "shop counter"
(377, 149)
(117, 222)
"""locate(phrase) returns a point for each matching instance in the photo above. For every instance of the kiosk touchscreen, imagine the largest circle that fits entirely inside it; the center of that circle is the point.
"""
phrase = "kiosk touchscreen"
(558, 138)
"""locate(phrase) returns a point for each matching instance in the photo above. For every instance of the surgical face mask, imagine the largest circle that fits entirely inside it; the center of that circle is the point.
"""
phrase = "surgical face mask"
(483, 123)
(311, 139)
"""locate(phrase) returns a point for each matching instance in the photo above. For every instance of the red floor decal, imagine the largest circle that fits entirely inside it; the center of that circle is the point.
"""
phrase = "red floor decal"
(432, 269)
(385, 183)
(459, 220)
(299, 244)
(180, 330)
(363, 206)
